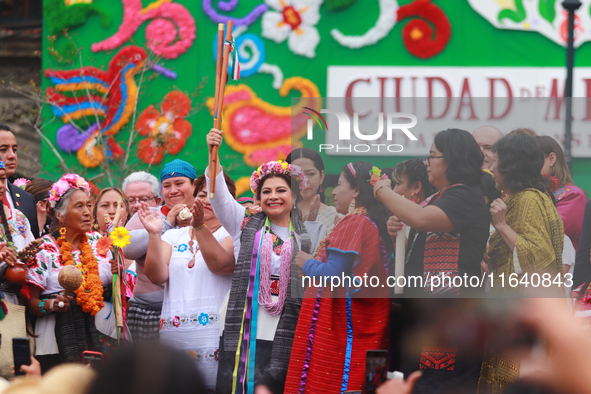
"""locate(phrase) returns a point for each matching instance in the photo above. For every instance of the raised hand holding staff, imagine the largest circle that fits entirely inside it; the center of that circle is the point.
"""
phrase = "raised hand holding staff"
(219, 95)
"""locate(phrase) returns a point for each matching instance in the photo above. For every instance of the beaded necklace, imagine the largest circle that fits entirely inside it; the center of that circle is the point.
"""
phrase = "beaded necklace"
(266, 253)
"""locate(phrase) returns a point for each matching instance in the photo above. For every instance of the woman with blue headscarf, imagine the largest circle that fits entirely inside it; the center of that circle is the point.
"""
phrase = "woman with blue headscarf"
(177, 179)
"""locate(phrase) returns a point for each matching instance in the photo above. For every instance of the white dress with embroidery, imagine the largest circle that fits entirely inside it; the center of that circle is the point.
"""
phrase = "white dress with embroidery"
(192, 301)
(20, 230)
(44, 273)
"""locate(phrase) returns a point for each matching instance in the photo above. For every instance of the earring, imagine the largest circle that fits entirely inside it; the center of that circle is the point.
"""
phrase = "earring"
(63, 233)
(321, 189)
(352, 206)
(412, 195)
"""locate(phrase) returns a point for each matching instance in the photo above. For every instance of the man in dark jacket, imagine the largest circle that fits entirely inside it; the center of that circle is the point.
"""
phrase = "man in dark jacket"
(15, 197)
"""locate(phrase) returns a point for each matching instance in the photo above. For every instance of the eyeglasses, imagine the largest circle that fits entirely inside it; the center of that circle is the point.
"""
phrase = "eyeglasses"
(428, 159)
(133, 201)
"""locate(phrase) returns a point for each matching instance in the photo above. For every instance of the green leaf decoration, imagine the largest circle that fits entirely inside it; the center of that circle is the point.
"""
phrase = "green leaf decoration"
(60, 17)
(516, 16)
(547, 9)
(335, 5)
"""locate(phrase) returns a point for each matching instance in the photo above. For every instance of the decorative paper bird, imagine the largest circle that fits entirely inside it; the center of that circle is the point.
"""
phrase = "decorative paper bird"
(94, 93)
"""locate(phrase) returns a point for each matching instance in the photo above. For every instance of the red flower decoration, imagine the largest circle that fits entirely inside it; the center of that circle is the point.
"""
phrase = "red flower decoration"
(176, 321)
(161, 323)
(554, 182)
(104, 245)
(418, 36)
(166, 131)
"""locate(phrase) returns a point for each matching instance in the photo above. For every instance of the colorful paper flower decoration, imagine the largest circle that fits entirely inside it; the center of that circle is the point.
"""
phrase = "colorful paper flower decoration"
(96, 93)
(21, 182)
(420, 39)
(295, 21)
(542, 16)
(381, 29)
(170, 33)
(248, 119)
(166, 130)
(229, 6)
(60, 15)
(418, 36)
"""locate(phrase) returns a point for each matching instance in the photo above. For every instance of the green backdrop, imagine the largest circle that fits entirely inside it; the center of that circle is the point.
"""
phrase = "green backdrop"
(474, 42)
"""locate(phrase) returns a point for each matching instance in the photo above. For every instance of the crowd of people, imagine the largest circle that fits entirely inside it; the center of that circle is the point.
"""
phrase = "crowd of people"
(220, 280)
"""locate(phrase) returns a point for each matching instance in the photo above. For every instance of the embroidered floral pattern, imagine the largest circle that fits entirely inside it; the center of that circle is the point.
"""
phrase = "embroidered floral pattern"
(194, 320)
(182, 248)
(48, 260)
(207, 354)
(247, 215)
(203, 319)
(18, 224)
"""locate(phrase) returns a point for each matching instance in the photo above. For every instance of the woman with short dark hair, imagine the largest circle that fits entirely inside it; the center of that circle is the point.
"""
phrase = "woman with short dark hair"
(448, 237)
(529, 236)
(457, 215)
(528, 239)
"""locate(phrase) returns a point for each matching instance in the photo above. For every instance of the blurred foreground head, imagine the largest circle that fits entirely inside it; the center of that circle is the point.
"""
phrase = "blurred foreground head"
(150, 369)
(63, 379)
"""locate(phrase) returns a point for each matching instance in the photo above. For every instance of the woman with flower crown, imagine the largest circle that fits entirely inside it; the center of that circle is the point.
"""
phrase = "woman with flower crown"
(338, 326)
(66, 324)
(265, 296)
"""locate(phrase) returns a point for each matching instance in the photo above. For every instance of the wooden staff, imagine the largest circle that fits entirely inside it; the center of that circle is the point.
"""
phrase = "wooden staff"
(400, 257)
(117, 297)
(220, 88)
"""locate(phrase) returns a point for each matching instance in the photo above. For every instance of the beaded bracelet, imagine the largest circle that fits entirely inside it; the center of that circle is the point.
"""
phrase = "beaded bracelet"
(377, 193)
(42, 307)
(200, 227)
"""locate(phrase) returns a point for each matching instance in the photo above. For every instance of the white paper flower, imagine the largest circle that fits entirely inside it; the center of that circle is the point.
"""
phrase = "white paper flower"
(294, 20)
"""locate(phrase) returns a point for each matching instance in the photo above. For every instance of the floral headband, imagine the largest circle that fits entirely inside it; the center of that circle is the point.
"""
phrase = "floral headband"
(375, 175)
(276, 167)
(64, 184)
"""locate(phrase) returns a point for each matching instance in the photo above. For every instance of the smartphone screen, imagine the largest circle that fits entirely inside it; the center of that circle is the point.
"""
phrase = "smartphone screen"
(376, 369)
(94, 359)
(22, 354)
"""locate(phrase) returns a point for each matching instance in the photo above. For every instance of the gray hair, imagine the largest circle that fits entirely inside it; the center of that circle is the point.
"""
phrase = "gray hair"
(142, 176)
(61, 208)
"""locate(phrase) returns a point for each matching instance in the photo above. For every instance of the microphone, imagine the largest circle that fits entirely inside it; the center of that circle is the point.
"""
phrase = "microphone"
(305, 241)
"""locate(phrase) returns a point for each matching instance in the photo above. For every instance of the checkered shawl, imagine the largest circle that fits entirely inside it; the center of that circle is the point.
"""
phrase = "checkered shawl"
(281, 349)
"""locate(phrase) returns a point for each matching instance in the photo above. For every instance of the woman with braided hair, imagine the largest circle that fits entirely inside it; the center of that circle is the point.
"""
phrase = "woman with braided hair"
(66, 325)
(337, 327)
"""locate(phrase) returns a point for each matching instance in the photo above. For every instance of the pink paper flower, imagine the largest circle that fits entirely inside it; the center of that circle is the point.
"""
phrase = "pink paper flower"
(21, 182)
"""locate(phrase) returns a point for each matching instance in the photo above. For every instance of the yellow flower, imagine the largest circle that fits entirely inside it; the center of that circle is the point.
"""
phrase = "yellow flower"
(120, 237)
